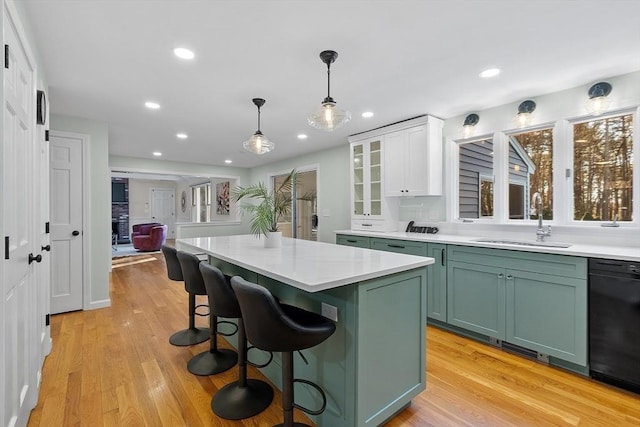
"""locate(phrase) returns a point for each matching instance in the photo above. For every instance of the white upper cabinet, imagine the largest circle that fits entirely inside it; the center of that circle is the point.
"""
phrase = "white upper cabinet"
(413, 158)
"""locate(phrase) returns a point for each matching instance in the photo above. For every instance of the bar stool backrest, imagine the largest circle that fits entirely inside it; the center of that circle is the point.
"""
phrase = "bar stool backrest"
(270, 326)
(193, 282)
(174, 271)
(222, 299)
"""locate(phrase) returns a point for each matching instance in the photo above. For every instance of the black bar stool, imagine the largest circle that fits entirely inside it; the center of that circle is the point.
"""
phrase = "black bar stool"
(214, 360)
(271, 326)
(246, 397)
(191, 335)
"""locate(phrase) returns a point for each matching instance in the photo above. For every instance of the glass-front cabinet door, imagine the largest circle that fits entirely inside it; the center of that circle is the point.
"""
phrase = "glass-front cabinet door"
(358, 179)
(375, 183)
(366, 158)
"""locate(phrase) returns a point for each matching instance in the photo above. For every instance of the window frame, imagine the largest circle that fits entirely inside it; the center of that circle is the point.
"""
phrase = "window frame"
(568, 166)
(454, 155)
(558, 160)
(562, 172)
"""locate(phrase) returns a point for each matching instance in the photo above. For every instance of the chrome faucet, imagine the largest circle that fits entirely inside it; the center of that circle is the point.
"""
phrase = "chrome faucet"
(541, 232)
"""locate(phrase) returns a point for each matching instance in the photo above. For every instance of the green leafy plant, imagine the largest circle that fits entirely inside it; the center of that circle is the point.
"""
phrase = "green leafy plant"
(272, 204)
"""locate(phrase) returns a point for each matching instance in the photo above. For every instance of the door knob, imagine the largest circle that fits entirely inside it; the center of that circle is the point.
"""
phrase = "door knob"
(75, 232)
(46, 248)
(36, 258)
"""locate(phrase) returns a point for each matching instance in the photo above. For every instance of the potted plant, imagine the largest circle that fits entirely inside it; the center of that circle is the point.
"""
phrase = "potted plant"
(272, 205)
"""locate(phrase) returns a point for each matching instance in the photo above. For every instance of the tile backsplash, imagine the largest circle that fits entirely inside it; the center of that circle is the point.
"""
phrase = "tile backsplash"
(424, 208)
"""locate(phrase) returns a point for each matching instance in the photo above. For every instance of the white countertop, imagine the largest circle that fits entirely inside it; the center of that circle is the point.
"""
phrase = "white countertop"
(310, 266)
(628, 253)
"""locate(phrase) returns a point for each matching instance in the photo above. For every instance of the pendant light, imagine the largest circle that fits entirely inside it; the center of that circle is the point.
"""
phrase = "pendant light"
(328, 116)
(258, 143)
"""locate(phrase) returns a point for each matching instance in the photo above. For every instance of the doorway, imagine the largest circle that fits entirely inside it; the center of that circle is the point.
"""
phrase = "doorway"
(66, 170)
(302, 223)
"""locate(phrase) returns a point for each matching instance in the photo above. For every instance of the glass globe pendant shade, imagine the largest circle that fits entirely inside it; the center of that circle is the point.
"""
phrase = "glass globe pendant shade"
(258, 144)
(328, 116)
(524, 119)
(598, 105)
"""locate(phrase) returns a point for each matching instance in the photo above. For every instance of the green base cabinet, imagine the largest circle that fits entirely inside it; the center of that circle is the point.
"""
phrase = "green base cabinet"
(373, 364)
(399, 246)
(476, 298)
(436, 273)
(548, 314)
(437, 282)
(533, 300)
(357, 241)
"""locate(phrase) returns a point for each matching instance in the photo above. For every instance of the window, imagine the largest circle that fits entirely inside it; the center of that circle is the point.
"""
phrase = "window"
(531, 172)
(486, 196)
(201, 202)
(603, 169)
(475, 177)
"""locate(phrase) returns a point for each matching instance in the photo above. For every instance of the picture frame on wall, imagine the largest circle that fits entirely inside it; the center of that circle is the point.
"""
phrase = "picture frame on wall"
(222, 198)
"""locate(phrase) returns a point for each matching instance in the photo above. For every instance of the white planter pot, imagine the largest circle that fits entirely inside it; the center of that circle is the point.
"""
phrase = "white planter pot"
(273, 239)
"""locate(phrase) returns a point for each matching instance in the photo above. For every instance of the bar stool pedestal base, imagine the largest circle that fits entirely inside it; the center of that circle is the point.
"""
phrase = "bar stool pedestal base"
(234, 402)
(212, 362)
(191, 336)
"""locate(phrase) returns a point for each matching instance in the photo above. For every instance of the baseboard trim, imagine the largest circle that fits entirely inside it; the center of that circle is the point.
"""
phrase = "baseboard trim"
(94, 305)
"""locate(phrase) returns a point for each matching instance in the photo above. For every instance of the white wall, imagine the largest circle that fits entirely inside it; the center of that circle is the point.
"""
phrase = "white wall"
(191, 173)
(566, 104)
(140, 199)
(333, 186)
(555, 107)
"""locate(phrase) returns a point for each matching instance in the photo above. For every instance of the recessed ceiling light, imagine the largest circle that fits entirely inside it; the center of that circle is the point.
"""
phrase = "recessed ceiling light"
(228, 161)
(490, 72)
(183, 53)
(302, 136)
(367, 114)
(182, 135)
(152, 105)
(157, 153)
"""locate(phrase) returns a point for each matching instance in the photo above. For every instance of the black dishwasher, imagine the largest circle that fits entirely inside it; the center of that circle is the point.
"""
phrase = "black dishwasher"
(614, 322)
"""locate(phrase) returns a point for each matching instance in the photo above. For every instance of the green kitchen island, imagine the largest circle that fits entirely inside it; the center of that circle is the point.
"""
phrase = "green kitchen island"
(374, 363)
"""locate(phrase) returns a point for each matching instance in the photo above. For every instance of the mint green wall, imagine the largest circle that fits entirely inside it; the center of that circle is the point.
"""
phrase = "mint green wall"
(333, 186)
(100, 203)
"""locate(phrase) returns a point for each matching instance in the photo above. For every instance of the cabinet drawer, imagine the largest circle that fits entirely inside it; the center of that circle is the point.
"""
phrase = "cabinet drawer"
(369, 225)
(400, 246)
(559, 265)
(357, 241)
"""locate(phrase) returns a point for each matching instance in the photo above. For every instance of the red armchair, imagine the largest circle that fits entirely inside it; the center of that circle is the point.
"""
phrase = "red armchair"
(149, 237)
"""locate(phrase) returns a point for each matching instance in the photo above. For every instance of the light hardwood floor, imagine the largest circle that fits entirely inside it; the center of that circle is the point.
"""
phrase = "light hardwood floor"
(115, 366)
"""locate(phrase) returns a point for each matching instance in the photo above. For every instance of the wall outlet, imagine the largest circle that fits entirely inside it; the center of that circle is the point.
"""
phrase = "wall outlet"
(330, 311)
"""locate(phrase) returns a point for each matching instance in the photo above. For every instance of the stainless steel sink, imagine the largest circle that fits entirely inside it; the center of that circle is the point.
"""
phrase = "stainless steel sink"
(524, 243)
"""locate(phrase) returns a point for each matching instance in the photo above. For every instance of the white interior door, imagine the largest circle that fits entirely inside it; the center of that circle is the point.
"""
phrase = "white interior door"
(66, 223)
(42, 230)
(18, 312)
(163, 207)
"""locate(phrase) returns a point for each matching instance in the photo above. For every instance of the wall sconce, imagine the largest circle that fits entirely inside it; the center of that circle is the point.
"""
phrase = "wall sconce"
(598, 102)
(524, 112)
(469, 122)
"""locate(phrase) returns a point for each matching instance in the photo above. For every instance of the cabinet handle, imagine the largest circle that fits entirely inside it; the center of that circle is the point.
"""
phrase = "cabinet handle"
(396, 246)
(352, 241)
(500, 276)
(509, 277)
(367, 225)
(442, 258)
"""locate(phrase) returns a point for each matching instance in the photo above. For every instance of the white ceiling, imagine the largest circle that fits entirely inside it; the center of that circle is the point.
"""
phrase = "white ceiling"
(104, 58)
